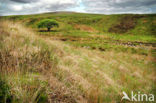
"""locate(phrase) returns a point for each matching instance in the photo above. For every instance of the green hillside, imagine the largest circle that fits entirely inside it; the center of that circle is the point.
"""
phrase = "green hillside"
(132, 24)
(74, 26)
(88, 58)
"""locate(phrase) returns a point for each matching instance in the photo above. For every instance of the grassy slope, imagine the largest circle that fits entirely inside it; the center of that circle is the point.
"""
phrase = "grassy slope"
(96, 31)
(145, 24)
(40, 69)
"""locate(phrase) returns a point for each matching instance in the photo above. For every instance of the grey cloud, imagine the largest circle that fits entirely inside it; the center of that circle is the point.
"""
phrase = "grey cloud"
(136, 3)
(119, 6)
(24, 1)
(92, 6)
(30, 6)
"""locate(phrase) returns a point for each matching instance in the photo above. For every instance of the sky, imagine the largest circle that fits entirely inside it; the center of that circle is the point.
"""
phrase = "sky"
(21, 7)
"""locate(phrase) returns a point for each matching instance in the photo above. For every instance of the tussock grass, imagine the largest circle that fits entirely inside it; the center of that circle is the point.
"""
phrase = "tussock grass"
(37, 69)
(21, 63)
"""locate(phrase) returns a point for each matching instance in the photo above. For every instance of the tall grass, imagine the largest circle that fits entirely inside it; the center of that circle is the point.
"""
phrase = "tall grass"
(36, 69)
(23, 59)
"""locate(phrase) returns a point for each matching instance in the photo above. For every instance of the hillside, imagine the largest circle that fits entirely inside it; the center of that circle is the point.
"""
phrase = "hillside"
(132, 24)
(90, 58)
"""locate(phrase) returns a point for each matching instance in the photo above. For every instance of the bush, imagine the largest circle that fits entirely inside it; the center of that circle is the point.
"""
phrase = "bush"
(5, 96)
(48, 23)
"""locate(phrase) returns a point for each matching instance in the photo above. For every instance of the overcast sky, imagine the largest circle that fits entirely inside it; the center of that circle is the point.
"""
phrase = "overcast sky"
(18, 7)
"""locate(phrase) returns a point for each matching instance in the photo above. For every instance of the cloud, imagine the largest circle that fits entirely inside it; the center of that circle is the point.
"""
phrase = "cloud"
(120, 6)
(24, 1)
(34, 6)
(10, 7)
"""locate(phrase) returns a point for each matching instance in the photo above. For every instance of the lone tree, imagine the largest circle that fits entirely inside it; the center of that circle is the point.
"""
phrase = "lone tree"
(48, 23)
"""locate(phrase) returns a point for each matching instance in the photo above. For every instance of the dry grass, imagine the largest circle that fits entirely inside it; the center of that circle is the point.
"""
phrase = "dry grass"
(51, 71)
(84, 28)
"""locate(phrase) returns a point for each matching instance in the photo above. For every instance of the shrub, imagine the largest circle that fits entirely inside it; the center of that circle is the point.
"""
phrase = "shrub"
(5, 96)
(48, 23)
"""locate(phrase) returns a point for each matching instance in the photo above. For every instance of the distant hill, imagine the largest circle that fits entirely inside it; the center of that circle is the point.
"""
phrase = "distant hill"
(133, 24)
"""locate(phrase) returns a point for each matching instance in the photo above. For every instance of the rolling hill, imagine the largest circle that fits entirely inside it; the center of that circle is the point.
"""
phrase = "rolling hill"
(89, 58)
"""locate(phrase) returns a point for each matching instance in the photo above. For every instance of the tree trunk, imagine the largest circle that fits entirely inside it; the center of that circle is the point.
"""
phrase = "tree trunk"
(48, 29)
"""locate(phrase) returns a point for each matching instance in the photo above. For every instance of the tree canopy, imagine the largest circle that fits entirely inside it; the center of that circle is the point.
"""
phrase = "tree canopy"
(48, 23)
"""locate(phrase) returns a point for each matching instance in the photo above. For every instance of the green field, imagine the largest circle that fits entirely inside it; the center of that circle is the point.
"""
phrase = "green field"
(89, 58)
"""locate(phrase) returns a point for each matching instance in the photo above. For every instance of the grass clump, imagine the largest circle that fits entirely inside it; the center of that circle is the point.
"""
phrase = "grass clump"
(23, 63)
(5, 94)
